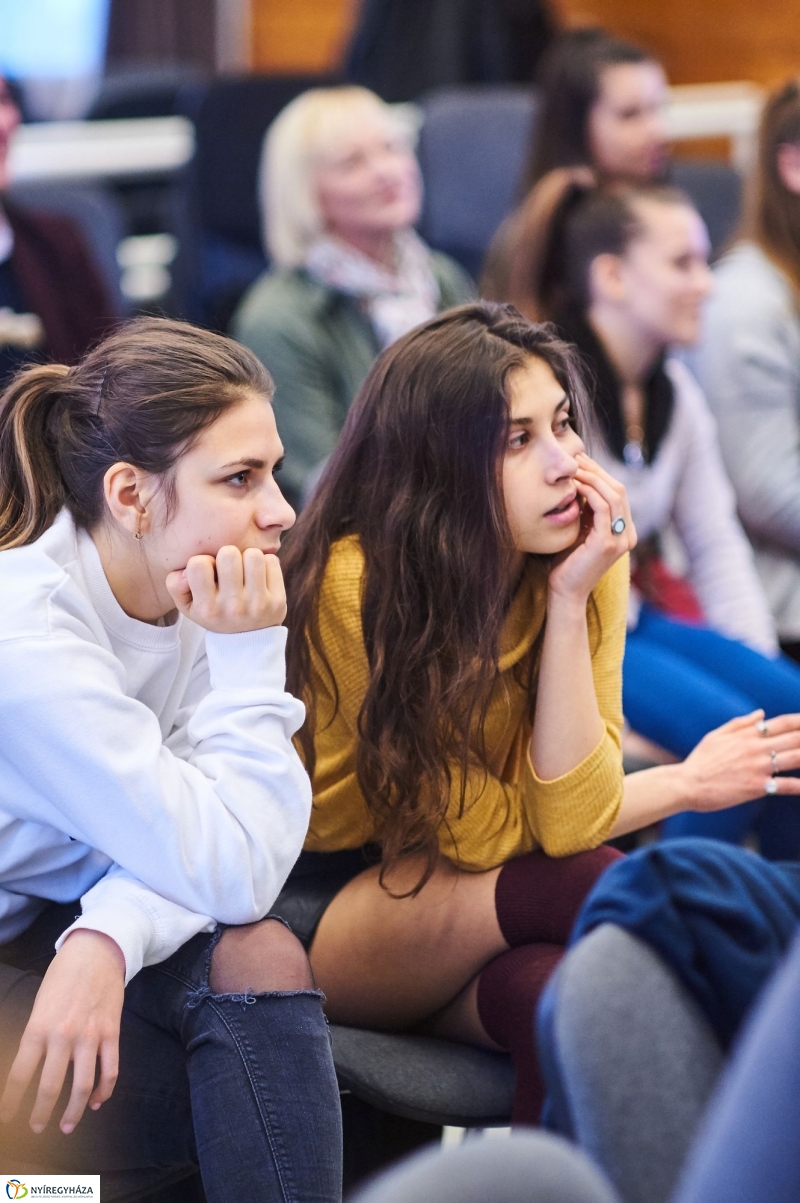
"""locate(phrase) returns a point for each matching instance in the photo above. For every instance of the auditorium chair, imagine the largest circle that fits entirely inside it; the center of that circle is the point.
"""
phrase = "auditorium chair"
(221, 187)
(472, 150)
(629, 1060)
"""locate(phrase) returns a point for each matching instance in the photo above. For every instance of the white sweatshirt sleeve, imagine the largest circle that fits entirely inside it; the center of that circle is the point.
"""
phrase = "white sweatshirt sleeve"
(214, 830)
(147, 927)
(721, 566)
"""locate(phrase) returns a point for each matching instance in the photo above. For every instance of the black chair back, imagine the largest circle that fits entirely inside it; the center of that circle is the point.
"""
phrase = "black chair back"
(222, 186)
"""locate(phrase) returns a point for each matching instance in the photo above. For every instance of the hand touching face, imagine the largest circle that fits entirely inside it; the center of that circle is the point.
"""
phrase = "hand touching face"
(607, 534)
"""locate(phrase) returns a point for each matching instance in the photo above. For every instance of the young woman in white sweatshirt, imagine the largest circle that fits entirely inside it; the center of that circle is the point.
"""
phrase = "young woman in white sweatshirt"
(147, 769)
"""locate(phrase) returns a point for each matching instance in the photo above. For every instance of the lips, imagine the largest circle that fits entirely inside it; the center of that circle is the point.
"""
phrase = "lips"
(563, 506)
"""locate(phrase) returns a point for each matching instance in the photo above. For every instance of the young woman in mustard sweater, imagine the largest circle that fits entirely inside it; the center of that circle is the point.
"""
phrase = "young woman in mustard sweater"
(458, 590)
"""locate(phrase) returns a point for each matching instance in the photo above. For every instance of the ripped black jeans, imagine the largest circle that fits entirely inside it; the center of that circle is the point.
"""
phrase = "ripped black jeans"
(242, 1085)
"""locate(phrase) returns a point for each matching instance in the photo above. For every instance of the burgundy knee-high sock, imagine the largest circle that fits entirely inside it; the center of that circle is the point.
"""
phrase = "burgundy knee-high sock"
(508, 993)
(538, 897)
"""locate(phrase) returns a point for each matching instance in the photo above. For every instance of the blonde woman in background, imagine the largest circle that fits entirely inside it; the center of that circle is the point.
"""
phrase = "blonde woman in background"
(340, 193)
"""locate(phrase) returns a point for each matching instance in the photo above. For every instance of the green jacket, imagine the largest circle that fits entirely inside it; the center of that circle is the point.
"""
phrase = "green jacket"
(318, 347)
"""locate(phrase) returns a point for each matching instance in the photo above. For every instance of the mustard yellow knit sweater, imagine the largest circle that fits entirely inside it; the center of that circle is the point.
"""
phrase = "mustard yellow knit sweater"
(511, 811)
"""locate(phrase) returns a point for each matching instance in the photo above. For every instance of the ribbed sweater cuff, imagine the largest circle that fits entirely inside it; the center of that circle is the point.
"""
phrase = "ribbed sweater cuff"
(129, 927)
(576, 811)
(253, 659)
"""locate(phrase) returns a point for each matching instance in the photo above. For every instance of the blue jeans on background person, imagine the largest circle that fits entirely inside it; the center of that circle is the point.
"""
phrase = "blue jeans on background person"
(681, 681)
(242, 1085)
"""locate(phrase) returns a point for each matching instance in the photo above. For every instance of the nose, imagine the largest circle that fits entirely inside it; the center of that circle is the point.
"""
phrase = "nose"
(275, 510)
(658, 125)
(561, 461)
(385, 165)
(705, 280)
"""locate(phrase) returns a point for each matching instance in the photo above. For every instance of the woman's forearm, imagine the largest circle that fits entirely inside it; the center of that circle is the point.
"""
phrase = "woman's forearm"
(652, 795)
(567, 723)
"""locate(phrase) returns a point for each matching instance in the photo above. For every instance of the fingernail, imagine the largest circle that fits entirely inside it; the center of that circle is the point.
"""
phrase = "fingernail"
(95, 1106)
(37, 1128)
(67, 1128)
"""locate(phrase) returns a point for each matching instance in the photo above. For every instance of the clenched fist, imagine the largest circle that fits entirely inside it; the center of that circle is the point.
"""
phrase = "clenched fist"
(235, 592)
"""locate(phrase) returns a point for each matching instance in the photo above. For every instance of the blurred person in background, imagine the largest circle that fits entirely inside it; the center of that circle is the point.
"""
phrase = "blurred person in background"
(53, 303)
(340, 193)
(624, 274)
(749, 361)
(405, 48)
(601, 106)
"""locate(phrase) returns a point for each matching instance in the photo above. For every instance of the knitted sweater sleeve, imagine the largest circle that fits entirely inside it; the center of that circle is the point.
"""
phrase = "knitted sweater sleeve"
(516, 811)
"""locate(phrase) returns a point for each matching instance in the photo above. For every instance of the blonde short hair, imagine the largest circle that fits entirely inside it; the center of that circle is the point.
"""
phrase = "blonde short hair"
(290, 217)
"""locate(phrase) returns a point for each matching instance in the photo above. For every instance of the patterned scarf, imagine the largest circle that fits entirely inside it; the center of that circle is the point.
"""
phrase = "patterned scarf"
(394, 301)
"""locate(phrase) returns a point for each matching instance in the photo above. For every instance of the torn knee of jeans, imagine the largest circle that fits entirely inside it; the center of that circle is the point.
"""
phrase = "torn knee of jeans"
(248, 998)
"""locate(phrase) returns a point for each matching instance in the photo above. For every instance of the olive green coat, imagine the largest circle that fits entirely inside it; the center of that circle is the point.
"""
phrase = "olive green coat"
(318, 346)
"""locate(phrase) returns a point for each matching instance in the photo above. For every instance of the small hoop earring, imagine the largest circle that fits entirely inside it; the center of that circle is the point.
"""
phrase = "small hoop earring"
(138, 535)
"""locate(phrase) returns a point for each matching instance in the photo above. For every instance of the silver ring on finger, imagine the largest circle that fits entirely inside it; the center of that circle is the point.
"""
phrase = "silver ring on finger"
(773, 757)
(762, 728)
(770, 786)
(618, 526)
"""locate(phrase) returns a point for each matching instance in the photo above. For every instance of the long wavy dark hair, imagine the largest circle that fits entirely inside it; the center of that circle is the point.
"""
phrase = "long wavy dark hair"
(417, 477)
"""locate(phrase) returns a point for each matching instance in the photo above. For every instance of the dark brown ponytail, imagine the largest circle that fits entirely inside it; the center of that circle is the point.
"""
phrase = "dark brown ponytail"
(551, 241)
(143, 395)
(31, 488)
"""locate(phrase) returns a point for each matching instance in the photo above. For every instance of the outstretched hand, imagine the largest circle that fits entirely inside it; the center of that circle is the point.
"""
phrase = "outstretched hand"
(733, 763)
(75, 1019)
(235, 591)
(578, 570)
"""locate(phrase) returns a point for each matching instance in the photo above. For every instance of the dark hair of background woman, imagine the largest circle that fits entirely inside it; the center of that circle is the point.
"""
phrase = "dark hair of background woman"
(772, 212)
(569, 80)
(417, 476)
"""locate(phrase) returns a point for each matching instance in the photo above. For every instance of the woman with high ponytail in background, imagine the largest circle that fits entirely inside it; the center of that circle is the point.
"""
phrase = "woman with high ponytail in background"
(623, 272)
(151, 801)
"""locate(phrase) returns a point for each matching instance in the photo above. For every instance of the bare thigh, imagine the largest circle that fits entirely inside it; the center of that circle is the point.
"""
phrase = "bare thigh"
(391, 962)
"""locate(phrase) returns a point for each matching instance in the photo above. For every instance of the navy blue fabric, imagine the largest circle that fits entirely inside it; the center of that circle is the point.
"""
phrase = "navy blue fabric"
(720, 916)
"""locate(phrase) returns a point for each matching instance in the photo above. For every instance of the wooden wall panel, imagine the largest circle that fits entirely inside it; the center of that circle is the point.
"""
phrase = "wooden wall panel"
(698, 40)
(704, 41)
(299, 35)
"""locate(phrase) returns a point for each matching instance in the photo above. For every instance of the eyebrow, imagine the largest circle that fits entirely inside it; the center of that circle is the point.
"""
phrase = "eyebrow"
(563, 403)
(244, 463)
